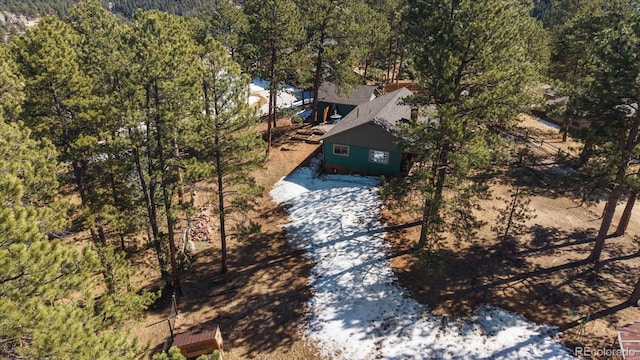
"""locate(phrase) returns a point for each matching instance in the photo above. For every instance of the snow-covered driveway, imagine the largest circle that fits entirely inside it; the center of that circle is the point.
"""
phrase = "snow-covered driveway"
(358, 311)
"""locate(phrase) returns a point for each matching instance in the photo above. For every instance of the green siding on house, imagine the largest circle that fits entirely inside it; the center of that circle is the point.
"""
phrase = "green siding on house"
(358, 159)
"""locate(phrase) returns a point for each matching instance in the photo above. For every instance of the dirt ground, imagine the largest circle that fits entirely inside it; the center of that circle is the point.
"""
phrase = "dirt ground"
(260, 302)
(538, 272)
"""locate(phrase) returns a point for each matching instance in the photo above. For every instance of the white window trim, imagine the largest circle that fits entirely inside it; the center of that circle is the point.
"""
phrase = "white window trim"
(337, 154)
(386, 162)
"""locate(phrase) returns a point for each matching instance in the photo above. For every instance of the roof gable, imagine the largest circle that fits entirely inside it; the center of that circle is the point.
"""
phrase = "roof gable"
(328, 92)
(385, 111)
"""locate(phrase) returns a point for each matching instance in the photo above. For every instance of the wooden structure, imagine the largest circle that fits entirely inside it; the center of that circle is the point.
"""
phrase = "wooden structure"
(629, 340)
(199, 342)
(330, 101)
(391, 87)
(365, 141)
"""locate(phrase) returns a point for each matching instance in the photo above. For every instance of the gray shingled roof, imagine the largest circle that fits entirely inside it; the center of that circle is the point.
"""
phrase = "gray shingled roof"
(328, 92)
(384, 111)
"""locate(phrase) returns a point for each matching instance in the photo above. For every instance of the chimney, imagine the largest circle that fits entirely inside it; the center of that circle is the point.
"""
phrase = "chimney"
(414, 114)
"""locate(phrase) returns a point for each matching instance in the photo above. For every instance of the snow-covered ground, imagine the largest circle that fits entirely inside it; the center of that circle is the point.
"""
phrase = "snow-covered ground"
(549, 123)
(358, 310)
(286, 98)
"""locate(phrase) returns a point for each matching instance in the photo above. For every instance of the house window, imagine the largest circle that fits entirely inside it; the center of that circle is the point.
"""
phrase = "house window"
(379, 157)
(341, 150)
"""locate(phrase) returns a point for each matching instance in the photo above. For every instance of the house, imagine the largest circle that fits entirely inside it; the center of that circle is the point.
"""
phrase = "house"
(330, 102)
(365, 142)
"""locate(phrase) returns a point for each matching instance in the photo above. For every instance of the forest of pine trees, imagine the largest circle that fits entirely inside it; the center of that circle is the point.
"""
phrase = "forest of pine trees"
(132, 113)
(125, 8)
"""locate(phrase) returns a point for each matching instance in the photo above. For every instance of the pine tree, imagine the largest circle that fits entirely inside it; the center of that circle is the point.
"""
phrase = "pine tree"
(474, 68)
(114, 204)
(227, 22)
(396, 48)
(231, 140)
(165, 51)
(173, 354)
(11, 86)
(59, 103)
(58, 94)
(273, 36)
(64, 107)
(606, 91)
(339, 33)
(48, 305)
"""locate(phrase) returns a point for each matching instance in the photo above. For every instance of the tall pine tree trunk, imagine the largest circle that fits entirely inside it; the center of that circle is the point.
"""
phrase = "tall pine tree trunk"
(176, 154)
(635, 295)
(394, 76)
(387, 80)
(614, 196)
(401, 61)
(607, 218)
(272, 94)
(152, 216)
(317, 77)
(274, 99)
(565, 128)
(220, 176)
(97, 235)
(366, 67)
(626, 214)
(431, 208)
(223, 234)
(424, 226)
(166, 195)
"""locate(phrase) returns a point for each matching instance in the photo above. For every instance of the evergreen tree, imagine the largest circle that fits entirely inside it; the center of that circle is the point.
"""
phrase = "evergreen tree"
(165, 54)
(58, 94)
(11, 86)
(226, 23)
(62, 106)
(607, 91)
(48, 305)
(474, 68)
(230, 136)
(173, 354)
(395, 49)
(59, 103)
(339, 33)
(555, 13)
(273, 36)
(114, 204)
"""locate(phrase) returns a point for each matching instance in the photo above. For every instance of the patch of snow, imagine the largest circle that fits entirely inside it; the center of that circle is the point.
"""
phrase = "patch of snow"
(284, 100)
(549, 124)
(358, 310)
(287, 97)
(559, 170)
(253, 99)
(303, 101)
(259, 84)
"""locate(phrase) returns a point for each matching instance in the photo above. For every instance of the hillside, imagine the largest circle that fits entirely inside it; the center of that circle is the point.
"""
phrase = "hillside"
(124, 7)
